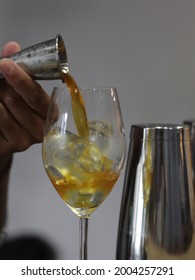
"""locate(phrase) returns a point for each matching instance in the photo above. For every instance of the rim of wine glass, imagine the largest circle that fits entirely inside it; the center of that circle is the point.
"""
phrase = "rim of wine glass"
(90, 87)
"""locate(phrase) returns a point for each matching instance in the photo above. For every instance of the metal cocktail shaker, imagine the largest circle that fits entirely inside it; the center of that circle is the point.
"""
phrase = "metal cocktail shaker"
(43, 61)
(157, 216)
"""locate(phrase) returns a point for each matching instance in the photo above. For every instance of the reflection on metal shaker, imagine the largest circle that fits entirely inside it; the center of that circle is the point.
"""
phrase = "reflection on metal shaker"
(191, 124)
(157, 216)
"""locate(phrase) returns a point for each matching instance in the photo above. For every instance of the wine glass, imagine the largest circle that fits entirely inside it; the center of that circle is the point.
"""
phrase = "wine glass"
(84, 155)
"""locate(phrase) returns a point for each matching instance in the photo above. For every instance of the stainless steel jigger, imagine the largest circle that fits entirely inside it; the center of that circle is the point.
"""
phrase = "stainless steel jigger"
(43, 61)
(157, 216)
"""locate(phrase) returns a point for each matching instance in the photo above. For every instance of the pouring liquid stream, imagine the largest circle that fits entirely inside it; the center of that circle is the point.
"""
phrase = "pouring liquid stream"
(78, 107)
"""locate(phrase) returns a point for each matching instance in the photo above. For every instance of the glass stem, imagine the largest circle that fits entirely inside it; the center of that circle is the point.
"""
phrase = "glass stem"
(83, 234)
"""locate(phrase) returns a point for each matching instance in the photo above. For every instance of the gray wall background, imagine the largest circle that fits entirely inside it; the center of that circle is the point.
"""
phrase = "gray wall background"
(146, 48)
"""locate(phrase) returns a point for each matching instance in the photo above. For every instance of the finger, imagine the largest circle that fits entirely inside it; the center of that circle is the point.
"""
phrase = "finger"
(30, 91)
(13, 138)
(23, 114)
(10, 48)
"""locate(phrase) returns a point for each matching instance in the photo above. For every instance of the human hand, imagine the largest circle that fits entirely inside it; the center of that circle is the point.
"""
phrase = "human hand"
(23, 106)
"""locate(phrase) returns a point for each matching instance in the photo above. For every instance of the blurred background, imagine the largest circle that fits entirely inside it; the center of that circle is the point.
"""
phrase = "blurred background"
(146, 49)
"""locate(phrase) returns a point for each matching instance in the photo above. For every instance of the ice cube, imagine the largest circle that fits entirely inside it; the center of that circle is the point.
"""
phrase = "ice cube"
(59, 148)
(101, 134)
(88, 157)
(54, 173)
(97, 198)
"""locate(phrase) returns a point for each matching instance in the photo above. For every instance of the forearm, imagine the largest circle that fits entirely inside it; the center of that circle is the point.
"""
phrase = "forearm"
(5, 166)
